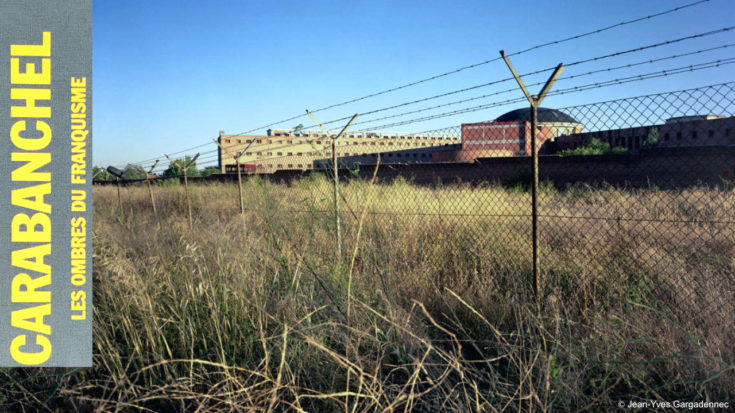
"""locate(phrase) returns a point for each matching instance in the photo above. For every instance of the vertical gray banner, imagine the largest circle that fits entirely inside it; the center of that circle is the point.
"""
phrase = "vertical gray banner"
(46, 183)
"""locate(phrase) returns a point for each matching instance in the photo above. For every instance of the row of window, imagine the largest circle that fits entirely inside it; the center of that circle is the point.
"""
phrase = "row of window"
(369, 135)
(298, 142)
(635, 142)
(397, 155)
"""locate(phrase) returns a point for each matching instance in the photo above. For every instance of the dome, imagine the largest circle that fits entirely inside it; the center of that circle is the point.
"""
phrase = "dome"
(544, 115)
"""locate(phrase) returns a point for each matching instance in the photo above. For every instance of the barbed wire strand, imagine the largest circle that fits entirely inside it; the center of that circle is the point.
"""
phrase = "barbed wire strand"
(460, 69)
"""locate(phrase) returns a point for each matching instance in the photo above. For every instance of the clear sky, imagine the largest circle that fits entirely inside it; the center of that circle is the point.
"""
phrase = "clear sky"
(169, 75)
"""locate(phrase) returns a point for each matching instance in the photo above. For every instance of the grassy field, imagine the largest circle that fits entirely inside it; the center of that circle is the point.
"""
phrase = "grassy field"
(431, 308)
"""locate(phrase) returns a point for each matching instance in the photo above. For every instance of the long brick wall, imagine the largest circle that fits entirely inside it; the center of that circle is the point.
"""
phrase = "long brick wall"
(662, 167)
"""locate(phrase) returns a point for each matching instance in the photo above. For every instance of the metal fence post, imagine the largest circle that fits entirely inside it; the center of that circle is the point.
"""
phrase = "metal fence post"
(150, 191)
(239, 186)
(535, 101)
(186, 185)
(237, 158)
(117, 173)
(336, 181)
(119, 198)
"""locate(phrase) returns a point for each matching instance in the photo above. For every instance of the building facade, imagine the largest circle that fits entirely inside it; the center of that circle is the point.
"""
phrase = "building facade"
(510, 134)
(683, 131)
(303, 150)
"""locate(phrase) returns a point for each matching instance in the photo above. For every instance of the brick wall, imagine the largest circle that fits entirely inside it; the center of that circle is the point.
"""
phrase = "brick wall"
(662, 167)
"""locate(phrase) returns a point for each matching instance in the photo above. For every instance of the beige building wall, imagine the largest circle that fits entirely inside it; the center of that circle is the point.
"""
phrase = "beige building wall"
(280, 151)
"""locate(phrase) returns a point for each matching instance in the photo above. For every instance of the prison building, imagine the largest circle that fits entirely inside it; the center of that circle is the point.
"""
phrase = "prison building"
(683, 131)
(510, 134)
(303, 150)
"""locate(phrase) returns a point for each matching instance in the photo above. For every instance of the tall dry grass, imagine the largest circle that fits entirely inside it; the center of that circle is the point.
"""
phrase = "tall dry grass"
(431, 310)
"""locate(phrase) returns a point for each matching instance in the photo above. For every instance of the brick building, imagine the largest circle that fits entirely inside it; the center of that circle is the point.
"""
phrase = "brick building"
(683, 131)
(510, 134)
(302, 150)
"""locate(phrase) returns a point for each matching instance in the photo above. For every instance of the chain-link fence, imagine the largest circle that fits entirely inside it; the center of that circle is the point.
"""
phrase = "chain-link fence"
(656, 165)
(634, 290)
(636, 189)
(635, 205)
(634, 192)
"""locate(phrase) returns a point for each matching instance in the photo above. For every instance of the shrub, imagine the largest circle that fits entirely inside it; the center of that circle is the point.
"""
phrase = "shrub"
(594, 147)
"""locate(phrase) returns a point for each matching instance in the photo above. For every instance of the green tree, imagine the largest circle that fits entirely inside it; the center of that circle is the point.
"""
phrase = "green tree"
(100, 174)
(131, 172)
(175, 170)
(651, 139)
(594, 147)
(210, 170)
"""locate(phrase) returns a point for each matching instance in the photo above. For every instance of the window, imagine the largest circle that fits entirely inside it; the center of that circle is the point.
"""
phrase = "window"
(678, 135)
(694, 134)
(666, 136)
(710, 133)
(279, 153)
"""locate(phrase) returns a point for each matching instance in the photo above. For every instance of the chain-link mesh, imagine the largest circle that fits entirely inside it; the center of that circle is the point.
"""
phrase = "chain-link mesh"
(635, 197)
(643, 203)
(636, 189)
(635, 244)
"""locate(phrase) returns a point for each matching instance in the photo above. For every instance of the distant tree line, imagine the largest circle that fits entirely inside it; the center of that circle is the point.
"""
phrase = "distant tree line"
(131, 172)
(599, 147)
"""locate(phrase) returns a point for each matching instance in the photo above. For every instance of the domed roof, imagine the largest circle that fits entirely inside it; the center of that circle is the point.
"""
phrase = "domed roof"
(544, 115)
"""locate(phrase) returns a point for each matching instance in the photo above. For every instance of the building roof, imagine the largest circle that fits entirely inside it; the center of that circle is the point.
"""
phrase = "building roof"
(544, 115)
(693, 118)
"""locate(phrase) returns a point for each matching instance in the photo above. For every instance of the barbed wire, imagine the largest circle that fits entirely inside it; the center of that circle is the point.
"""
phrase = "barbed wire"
(457, 91)
(463, 68)
(579, 88)
(662, 73)
(605, 102)
(713, 89)
(510, 90)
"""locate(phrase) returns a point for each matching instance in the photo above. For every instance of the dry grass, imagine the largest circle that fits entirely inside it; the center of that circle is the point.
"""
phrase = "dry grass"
(251, 313)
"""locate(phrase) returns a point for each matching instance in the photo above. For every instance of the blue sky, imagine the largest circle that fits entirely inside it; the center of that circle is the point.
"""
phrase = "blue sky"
(169, 75)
